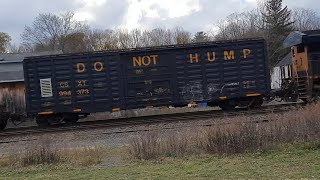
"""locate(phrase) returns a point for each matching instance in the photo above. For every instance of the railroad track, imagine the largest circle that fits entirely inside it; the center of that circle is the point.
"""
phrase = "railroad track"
(147, 120)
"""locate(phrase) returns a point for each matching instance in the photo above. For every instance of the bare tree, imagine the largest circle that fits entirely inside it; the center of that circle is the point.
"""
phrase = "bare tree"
(305, 19)
(129, 39)
(240, 25)
(98, 40)
(4, 42)
(136, 37)
(157, 37)
(50, 32)
(75, 42)
(181, 36)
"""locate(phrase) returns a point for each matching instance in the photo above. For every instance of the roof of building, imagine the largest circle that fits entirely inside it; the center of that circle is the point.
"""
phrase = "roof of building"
(287, 60)
(11, 68)
(4, 57)
(305, 37)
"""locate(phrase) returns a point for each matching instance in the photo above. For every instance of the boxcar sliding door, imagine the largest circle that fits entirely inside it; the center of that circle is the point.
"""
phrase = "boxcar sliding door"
(148, 79)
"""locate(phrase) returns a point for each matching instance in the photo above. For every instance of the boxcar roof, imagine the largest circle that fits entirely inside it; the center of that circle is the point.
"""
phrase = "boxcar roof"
(153, 48)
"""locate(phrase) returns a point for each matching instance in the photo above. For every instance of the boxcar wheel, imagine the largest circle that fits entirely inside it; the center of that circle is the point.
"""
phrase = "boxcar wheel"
(256, 103)
(3, 124)
(42, 121)
(227, 105)
(3, 120)
(71, 118)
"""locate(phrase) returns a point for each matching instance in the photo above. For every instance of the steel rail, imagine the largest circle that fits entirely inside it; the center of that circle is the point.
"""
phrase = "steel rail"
(145, 120)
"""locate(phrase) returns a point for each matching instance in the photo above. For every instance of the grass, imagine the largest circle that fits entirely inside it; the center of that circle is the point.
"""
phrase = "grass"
(240, 135)
(287, 147)
(293, 162)
(45, 154)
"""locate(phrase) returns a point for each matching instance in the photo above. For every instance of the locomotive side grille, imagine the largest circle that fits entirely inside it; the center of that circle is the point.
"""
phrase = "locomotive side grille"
(46, 87)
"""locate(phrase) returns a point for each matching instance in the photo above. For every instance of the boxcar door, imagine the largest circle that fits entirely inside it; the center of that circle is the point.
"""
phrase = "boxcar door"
(148, 79)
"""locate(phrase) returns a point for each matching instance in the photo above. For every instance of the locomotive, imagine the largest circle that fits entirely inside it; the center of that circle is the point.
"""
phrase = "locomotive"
(300, 79)
(66, 87)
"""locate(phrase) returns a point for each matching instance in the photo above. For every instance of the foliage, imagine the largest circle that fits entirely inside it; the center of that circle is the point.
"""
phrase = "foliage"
(4, 42)
(278, 24)
(53, 32)
(277, 18)
(271, 21)
(305, 19)
(200, 37)
(240, 25)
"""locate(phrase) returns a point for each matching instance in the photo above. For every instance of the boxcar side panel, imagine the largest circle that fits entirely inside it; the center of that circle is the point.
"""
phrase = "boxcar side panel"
(211, 73)
(82, 84)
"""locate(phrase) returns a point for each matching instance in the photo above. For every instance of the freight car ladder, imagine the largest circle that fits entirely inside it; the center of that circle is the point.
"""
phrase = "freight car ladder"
(303, 84)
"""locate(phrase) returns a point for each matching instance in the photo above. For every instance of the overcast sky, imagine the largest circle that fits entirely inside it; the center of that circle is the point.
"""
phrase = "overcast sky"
(192, 15)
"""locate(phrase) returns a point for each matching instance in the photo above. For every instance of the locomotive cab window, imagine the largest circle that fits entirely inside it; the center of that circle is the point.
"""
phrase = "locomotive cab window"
(293, 53)
(300, 49)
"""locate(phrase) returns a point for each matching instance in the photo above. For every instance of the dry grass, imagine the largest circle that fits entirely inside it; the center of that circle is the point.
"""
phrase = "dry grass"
(45, 154)
(151, 146)
(87, 156)
(144, 147)
(241, 135)
(40, 155)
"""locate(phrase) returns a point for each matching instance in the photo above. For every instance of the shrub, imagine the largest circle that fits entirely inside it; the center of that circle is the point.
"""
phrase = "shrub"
(44, 154)
(144, 147)
(40, 155)
(301, 126)
(234, 135)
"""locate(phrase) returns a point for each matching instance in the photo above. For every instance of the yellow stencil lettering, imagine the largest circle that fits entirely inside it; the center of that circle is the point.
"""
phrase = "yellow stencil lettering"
(81, 67)
(246, 53)
(146, 60)
(98, 66)
(213, 58)
(137, 61)
(194, 58)
(154, 58)
(228, 55)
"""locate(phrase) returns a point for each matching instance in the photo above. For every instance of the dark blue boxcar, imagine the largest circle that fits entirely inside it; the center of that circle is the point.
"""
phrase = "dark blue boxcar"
(220, 73)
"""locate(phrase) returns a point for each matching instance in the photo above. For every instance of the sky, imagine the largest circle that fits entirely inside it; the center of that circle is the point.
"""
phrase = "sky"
(191, 15)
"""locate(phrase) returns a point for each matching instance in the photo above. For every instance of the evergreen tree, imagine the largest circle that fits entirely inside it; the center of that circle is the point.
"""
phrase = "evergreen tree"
(278, 24)
(4, 42)
(200, 37)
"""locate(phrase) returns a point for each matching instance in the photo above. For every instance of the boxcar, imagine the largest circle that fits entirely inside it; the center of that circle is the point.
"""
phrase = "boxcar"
(226, 73)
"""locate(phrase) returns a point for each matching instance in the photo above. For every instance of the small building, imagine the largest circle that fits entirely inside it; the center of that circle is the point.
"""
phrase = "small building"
(12, 80)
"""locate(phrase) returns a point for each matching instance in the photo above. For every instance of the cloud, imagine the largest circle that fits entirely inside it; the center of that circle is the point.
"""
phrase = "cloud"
(102, 13)
(192, 15)
(313, 4)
